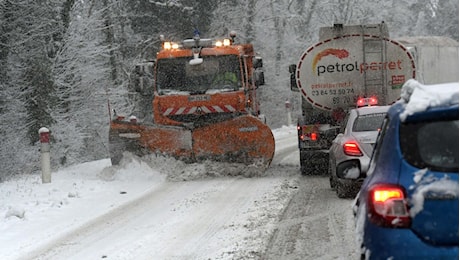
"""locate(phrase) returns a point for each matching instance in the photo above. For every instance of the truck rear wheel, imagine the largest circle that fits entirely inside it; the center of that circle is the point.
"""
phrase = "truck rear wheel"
(313, 162)
(116, 148)
(342, 191)
(118, 145)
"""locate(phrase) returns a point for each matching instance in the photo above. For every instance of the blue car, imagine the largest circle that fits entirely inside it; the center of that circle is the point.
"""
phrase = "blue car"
(407, 207)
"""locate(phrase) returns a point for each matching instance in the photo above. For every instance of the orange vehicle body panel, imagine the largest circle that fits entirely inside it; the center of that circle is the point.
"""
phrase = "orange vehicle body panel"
(184, 104)
(158, 139)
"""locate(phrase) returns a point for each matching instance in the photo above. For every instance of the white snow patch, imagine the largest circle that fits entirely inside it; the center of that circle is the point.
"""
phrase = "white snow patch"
(443, 186)
(420, 97)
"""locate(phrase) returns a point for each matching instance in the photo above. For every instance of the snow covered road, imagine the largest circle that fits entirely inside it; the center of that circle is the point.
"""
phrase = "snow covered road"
(281, 215)
(201, 219)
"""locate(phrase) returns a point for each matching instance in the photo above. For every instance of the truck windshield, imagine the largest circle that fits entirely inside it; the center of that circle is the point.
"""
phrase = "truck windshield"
(215, 74)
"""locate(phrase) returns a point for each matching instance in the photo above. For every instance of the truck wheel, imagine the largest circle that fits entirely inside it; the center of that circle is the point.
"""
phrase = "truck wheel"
(331, 178)
(304, 168)
(313, 162)
(116, 148)
(305, 163)
(116, 158)
(340, 190)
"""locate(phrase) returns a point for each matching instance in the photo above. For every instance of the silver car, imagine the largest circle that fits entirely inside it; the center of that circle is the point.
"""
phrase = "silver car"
(351, 150)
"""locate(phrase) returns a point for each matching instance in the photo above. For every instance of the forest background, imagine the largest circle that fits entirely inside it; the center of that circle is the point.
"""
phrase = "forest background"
(63, 61)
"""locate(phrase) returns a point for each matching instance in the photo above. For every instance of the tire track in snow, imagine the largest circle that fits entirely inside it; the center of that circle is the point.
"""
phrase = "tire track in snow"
(315, 225)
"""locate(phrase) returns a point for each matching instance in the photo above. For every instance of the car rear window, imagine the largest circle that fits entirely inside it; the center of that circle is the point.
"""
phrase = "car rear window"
(368, 122)
(432, 145)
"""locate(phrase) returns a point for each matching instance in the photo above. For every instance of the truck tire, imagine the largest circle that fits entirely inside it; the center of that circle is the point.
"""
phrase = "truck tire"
(332, 181)
(304, 167)
(116, 149)
(341, 190)
(313, 162)
(117, 146)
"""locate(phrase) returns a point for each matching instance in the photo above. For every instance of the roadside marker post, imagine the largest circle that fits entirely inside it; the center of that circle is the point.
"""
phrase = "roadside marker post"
(45, 154)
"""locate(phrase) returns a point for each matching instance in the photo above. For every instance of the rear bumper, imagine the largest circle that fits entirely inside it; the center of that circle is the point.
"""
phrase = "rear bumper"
(315, 156)
(394, 243)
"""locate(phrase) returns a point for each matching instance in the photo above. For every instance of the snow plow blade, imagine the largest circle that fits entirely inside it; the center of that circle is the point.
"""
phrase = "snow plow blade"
(244, 139)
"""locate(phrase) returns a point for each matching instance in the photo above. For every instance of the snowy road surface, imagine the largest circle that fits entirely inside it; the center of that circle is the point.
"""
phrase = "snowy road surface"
(281, 215)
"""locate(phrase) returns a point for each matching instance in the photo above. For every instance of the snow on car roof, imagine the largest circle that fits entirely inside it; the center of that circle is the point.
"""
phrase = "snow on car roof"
(418, 97)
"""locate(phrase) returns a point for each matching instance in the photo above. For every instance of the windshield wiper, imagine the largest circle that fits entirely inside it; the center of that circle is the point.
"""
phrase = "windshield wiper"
(173, 92)
(219, 90)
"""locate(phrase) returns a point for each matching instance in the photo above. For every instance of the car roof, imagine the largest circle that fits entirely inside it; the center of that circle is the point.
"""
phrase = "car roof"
(371, 110)
(418, 98)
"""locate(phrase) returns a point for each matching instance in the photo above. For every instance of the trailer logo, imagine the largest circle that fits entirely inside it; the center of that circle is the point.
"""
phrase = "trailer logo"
(352, 66)
(339, 53)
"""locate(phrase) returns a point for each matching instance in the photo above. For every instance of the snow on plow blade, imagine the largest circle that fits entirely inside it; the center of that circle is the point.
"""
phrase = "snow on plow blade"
(244, 139)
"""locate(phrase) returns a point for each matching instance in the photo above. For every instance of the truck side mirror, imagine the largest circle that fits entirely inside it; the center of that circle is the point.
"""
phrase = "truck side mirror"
(142, 78)
(292, 69)
(257, 63)
(259, 77)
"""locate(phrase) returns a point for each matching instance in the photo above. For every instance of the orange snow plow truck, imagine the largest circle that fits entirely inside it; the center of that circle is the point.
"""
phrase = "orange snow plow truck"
(205, 106)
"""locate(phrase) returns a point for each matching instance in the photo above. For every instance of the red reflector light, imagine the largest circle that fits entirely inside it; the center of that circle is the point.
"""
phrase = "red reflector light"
(388, 207)
(314, 136)
(352, 149)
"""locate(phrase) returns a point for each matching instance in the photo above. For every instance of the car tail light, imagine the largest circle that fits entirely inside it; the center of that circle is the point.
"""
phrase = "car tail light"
(387, 206)
(352, 149)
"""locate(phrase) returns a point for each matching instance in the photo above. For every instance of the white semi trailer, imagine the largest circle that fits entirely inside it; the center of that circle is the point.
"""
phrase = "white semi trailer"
(436, 58)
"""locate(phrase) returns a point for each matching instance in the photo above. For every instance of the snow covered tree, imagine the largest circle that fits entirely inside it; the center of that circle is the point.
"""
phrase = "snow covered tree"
(83, 74)
(442, 18)
(28, 45)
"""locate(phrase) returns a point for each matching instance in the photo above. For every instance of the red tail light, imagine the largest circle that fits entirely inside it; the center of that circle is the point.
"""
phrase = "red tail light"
(314, 136)
(388, 207)
(352, 149)
(372, 101)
